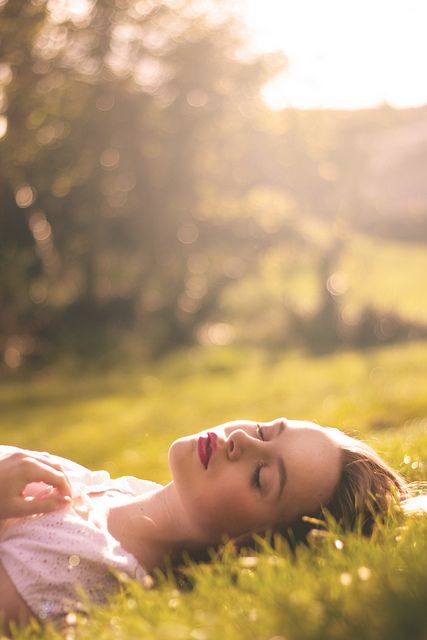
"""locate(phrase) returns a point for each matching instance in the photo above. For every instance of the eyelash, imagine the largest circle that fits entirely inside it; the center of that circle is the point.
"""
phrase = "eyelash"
(257, 479)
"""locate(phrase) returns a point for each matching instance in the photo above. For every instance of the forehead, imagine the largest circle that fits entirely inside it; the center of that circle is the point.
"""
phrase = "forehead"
(312, 457)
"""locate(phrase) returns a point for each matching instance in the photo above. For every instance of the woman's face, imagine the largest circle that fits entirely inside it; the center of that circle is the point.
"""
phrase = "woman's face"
(244, 476)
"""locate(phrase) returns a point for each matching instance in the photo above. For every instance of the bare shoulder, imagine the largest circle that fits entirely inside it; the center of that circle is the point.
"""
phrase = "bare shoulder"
(12, 606)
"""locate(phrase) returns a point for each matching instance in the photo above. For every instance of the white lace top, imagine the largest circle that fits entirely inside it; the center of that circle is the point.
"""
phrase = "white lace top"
(57, 560)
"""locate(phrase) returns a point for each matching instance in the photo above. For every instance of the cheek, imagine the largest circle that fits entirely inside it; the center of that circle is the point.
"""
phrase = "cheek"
(220, 505)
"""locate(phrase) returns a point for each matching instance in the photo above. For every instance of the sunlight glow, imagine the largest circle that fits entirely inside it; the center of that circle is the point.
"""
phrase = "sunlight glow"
(353, 54)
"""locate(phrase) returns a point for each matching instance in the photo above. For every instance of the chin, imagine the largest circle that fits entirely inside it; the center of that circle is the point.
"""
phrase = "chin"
(180, 443)
(178, 453)
(172, 452)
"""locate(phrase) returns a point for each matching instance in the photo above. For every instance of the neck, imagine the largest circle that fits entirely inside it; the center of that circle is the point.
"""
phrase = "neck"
(154, 527)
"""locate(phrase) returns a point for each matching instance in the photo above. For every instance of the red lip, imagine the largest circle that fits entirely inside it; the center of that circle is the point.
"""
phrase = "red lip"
(206, 447)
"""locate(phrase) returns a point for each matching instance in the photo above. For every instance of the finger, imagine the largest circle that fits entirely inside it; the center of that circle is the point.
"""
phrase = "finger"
(33, 506)
(37, 471)
(46, 458)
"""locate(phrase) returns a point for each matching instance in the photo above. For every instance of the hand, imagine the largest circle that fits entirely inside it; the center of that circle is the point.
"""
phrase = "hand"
(19, 469)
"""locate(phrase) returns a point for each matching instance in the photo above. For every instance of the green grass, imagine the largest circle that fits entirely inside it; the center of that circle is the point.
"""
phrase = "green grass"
(124, 418)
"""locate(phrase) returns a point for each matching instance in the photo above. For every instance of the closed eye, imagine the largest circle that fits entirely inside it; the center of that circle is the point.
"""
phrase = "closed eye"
(256, 480)
(260, 432)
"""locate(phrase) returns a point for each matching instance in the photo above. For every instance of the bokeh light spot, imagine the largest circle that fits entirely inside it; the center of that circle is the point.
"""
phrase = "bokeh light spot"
(12, 357)
(337, 283)
(216, 333)
(197, 263)
(233, 267)
(40, 227)
(188, 233)
(25, 196)
(6, 74)
(109, 158)
(197, 98)
(61, 186)
(187, 304)
(196, 287)
(364, 573)
(346, 579)
(38, 292)
(105, 102)
(3, 126)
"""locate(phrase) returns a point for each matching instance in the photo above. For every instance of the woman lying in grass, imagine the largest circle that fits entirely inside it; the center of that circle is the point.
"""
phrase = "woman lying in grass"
(233, 480)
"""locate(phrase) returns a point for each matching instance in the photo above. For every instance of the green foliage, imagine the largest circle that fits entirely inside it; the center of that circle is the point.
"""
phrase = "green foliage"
(341, 586)
(117, 116)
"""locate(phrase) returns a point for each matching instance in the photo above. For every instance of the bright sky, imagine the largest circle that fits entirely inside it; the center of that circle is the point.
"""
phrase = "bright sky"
(343, 53)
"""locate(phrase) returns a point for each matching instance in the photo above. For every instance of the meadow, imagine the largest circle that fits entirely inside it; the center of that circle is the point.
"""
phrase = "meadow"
(123, 418)
(367, 274)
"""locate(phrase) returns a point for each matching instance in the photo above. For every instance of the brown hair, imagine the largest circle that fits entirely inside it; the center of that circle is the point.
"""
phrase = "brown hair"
(367, 490)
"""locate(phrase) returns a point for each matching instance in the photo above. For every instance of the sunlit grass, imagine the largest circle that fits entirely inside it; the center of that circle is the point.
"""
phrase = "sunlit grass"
(127, 417)
(340, 587)
(123, 419)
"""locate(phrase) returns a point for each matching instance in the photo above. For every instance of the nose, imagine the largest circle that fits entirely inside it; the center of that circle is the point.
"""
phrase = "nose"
(239, 441)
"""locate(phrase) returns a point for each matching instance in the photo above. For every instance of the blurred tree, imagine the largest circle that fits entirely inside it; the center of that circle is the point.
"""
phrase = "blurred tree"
(121, 117)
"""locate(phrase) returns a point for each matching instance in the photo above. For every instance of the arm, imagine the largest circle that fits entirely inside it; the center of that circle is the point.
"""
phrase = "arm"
(20, 468)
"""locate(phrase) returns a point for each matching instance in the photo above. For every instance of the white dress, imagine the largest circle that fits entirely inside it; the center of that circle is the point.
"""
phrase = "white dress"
(58, 560)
